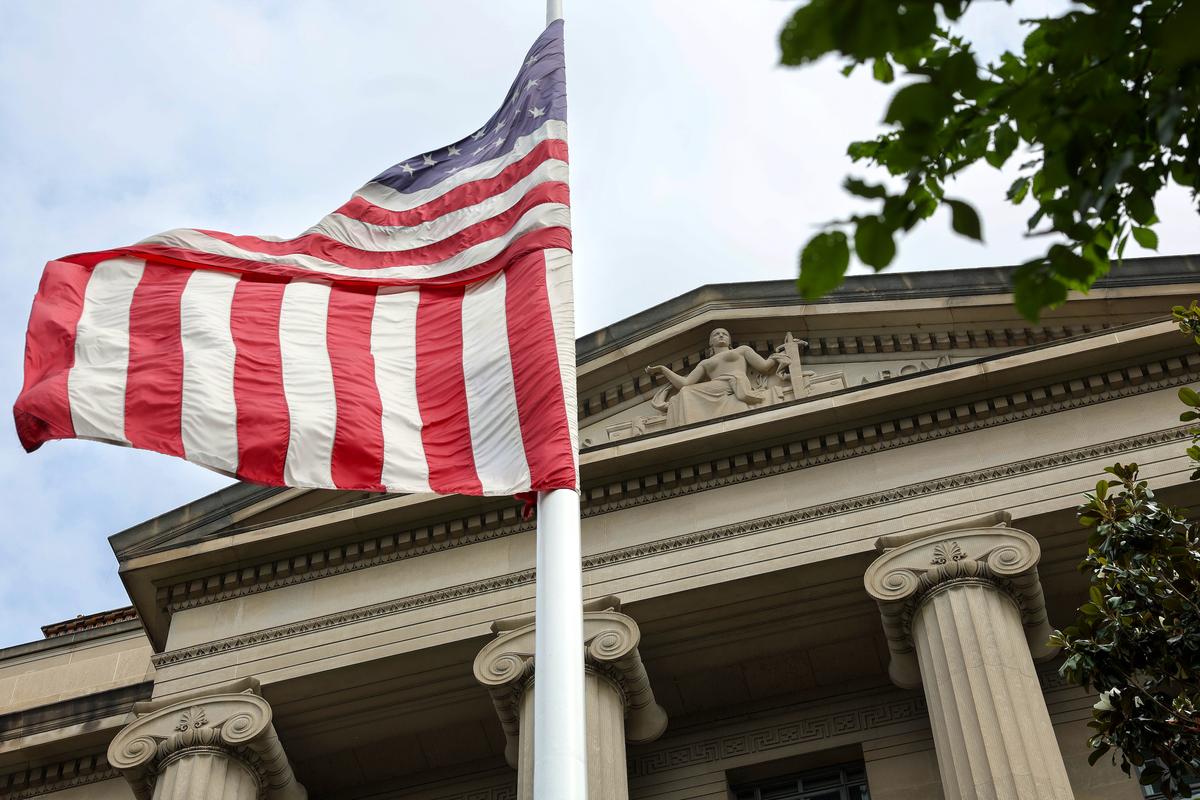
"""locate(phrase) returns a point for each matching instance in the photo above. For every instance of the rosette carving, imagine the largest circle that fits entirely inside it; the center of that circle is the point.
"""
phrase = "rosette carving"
(903, 577)
(235, 724)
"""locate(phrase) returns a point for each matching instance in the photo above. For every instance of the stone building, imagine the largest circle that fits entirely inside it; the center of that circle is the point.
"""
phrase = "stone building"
(824, 544)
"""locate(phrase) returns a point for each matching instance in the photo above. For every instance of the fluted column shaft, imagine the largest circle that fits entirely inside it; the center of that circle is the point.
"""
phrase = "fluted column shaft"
(604, 706)
(618, 702)
(965, 618)
(985, 703)
(208, 775)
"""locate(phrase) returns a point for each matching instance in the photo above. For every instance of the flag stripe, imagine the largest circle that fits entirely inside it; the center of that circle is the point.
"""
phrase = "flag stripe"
(529, 208)
(549, 151)
(263, 424)
(357, 460)
(96, 384)
(307, 384)
(488, 381)
(43, 410)
(380, 238)
(192, 248)
(533, 347)
(561, 290)
(154, 387)
(394, 349)
(208, 412)
(446, 430)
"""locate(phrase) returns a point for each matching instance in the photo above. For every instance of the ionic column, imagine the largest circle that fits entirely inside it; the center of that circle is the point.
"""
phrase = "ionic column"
(211, 747)
(619, 702)
(965, 618)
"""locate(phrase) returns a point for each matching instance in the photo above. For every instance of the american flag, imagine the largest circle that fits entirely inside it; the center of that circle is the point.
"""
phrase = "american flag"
(419, 338)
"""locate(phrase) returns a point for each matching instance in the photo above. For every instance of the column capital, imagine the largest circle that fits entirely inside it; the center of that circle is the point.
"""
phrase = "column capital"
(902, 578)
(235, 723)
(506, 667)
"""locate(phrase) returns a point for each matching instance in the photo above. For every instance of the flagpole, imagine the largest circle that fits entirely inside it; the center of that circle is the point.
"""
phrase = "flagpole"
(559, 732)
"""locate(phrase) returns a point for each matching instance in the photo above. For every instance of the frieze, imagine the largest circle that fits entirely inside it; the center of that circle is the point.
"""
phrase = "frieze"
(788, 734)
(43, 780)
(689, 479)
(749, 527)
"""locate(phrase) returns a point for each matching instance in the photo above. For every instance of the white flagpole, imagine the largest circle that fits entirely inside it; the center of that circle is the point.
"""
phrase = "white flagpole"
(559, 732)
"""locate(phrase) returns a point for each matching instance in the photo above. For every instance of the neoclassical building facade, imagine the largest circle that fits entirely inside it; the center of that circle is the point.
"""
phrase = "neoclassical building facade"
(824, 545)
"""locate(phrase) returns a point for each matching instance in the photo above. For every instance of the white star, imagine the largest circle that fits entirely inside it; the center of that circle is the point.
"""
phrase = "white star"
(480, 150)
(498, 142)
(452, 150)
(529, 62)
(452, 170)
(500, 124)
(428, 160)
(407, 168)
(536, 112)
(532, 83)
(479, 134)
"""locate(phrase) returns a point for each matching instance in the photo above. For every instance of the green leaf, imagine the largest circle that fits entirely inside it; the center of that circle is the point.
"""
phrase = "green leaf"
(823, 263)
(1016, 193)
(863, 189)
(1140, 207)
(1004, 142)
(873, 243)
(919, 103)
(1146, 238)
(882, 70)
(965, 220)
(1189, 397)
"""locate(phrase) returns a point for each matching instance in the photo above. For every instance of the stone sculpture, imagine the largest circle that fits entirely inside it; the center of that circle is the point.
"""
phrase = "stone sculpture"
(732, 379)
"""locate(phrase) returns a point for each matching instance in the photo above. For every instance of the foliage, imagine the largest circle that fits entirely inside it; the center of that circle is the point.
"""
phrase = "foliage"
(1137, 639)
(1105, 100)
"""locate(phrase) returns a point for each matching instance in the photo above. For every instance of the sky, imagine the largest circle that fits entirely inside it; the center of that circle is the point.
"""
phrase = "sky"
(695, 159)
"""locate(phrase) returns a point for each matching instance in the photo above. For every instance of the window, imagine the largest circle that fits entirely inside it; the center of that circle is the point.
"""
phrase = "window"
(847, 782)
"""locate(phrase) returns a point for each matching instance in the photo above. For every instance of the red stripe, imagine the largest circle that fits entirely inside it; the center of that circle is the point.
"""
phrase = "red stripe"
(327, 249)
(263, 422)
(358, 438)
(154, 386)
(468, 194)
(534, 353)
(442, 394)
(535, 240)
(43, 409)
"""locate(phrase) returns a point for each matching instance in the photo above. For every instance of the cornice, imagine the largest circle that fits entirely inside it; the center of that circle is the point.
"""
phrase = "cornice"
(1000, 409)
(37, 781)
(648, 549)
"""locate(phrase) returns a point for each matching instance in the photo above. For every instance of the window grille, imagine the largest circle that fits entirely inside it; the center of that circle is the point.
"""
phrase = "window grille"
(847, 782)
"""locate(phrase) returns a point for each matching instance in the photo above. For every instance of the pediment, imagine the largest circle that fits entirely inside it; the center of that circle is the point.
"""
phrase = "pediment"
(874, 330)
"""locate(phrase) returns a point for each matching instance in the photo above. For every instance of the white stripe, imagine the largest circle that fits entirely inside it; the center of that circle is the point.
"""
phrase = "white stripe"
(396, 238)
(560, 288)
(546, 215)
(491, 394)
(307, 384)
(208, 416)
(394, 348)
(96, 382)
(387, 197)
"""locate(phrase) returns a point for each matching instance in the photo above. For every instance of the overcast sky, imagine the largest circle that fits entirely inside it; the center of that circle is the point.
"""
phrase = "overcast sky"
(694, 159)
